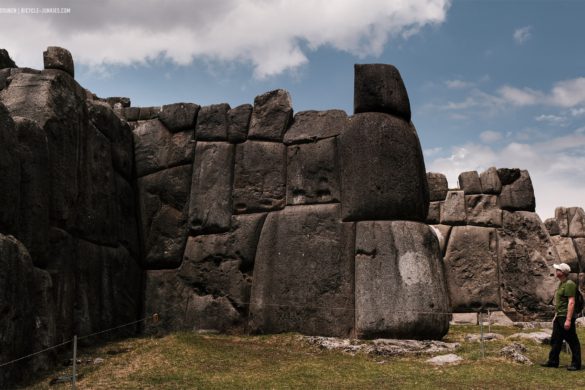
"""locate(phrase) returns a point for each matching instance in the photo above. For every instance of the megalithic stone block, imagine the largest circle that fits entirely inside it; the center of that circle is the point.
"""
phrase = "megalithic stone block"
(552, 226)
(438, 186)
(562, 217)
(471, 268)
(271, 116)
(5, 60)
(519, 194)
(454, 211)
(566, 251)
(58, 58)
(379, 88)
(577, 223)
(383, 173)
(304, 273)
(212, 123)
(400, 286)
(10, 173)
(490, 181)
(210, 205)
(469, 182)
(311, 126)
(238, 123)
(179, 116)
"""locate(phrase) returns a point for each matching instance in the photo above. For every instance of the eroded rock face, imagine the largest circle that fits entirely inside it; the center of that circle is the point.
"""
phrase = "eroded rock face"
(483, 210)
(10, 177)
(399, 281)
(526, 255)
(392, 186)
(58, 58)
(304, 285)
(311, 126)
(471, 268)
(566, 251)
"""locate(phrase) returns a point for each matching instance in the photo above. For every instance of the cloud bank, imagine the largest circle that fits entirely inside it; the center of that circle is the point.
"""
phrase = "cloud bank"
(271, 36)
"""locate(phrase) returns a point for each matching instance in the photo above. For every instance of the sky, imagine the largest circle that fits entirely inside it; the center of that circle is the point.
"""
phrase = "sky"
(491, 82)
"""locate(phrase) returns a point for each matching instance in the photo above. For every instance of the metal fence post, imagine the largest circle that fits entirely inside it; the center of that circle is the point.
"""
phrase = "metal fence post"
(74, 376)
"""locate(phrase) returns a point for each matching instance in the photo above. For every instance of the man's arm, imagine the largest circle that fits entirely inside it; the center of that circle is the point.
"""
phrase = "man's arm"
(570, 311)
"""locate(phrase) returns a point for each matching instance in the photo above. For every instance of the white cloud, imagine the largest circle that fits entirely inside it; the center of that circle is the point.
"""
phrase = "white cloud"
(520, 97)
(578, 111)
(523, 34)
(490, 136)
(458, 84)
(272, 36)
(565, 94)
(556, 166)
(550, 119)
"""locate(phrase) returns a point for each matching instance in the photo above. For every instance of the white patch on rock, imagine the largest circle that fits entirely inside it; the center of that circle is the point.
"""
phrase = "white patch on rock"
(413, 268)
(445, 359)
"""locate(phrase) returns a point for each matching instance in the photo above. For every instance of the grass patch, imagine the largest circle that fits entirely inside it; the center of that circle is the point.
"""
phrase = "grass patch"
(187, 360)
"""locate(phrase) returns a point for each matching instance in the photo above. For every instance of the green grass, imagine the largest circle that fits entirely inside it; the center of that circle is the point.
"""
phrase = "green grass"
(195, 361)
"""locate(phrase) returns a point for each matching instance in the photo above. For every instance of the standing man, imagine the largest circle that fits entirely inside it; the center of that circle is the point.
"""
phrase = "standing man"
(564, 321)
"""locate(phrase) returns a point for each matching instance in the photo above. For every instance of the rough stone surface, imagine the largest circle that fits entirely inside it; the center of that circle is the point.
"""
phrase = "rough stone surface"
(25, 304)
(313, 173)
(59, 58)
(57, 103)
(508, 175)
(518, 195)
(383, 174)
(302, 285)
(118, 133)
(538, 337)
(238, 123)
(311, 126)
(438, 186)
(483, 210)
(271, 116)
(552, 226)
(434, 214)
(379, 88)
(156, 148)
(562, 217)
(464, 319)
(164, 203)
(259, 177)
(179, 116)
(210, 205)
(445, 359)
(148, 113)
(10, 173)
(515, 353)
(453, 211)
(189, 310)
(399, 281)
(471, 269)
(5, 60)
(469, 182)
(580, 249)
(490, 181)
(566, 251)
(221, 264)
(526, 256)
(212, 123)
(34, 192)
(126, 214)
(499, 318)
(577, 222)
(442, 232)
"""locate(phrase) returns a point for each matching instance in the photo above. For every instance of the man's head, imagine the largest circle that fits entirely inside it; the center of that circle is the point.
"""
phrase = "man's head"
(563, 270)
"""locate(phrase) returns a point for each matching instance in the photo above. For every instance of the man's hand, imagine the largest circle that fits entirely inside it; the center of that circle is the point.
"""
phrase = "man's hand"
(567, 323)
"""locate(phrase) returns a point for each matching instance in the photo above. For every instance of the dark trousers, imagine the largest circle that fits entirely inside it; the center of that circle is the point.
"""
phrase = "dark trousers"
(558, 335)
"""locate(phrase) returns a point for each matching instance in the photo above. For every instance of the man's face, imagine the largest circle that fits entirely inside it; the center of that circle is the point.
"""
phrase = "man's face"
(560, 274)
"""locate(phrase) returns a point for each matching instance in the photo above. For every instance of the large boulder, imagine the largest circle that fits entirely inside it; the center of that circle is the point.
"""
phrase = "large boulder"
(469, 182)
(222, 264)
(58, 58)
(271, 116)
(5, 60)
(438, 186)
(552, 226)
(519, 194)
(490, 181)
(379, 88)
(454, 211)
(238, 123)
(471, 268)
(156, 148)
(313, 173)
(164, 205)
(580, 249)
(27, 323)
(212, 123)
(259, 177)
(57, 103)
(210, 205)
(179, 306)
(179, 116)
(566, 251)
(400, 287)
(383, 174)
(577, 222)
(303, 275)
(311, 126)
(562, 217)
(526, 256)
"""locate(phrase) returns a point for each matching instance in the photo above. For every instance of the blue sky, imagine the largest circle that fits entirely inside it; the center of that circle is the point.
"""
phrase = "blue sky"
(491, 83)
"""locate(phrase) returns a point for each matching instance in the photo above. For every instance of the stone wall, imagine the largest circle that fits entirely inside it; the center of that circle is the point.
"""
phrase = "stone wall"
(498, 253)
(69, 245)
